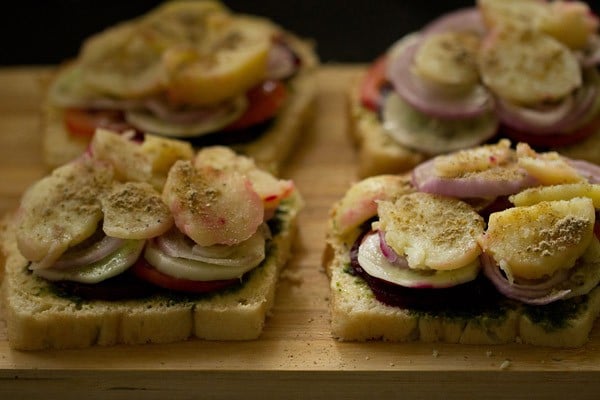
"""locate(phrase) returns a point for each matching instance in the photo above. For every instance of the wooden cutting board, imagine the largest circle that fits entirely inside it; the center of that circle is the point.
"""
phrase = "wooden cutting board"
(296, 356)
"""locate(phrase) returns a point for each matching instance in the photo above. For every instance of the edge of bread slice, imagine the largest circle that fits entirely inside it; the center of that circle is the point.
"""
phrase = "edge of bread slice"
(356, 315)
(378, 153)
(270, 150)
(38, 318)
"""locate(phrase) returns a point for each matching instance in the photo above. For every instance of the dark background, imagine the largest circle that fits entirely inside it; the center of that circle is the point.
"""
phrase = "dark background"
(48, 32)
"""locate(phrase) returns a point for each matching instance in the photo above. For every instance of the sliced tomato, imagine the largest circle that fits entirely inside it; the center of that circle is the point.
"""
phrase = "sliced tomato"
(370, 88)
(146, 272)
(555, 140)
(264, 101)
(83, 122)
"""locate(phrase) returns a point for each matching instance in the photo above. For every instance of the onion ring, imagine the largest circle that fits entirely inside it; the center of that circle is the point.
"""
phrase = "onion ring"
(557, 119)
(425, 98)
(537, 294)
(482, 185)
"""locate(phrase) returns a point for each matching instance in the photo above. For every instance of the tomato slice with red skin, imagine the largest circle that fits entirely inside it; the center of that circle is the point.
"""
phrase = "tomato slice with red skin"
(554, 140)
(374, 79)
(143, 270)
(84, 122)
(264, 101)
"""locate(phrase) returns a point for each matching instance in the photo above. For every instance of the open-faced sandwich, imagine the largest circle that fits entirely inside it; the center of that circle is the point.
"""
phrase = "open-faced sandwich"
(145, 243)
(481, 246)
(525, 70)
(190, 70)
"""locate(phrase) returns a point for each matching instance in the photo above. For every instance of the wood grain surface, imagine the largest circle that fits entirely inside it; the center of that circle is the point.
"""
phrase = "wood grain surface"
(296, 356)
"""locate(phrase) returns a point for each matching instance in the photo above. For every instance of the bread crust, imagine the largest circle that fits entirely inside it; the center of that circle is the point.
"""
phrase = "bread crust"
(377, 152)
(39, 318)
(270, 150)
(356, 315)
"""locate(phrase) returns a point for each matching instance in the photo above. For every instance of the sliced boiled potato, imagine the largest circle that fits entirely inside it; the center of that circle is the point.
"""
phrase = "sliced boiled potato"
(212, 206)
(432, 232)
(478, 159)
(124, 61)
(359, 204)
(535, 241)
(570, 22)
(61, 210)
(135, 210)
(127, 60)
(233, 61)
(130, 163)
(162, 154)
(449, 58)
(527, 67)
(270, 189)
(374, 263)
(547, 168)
(569, 191)
(515, 14)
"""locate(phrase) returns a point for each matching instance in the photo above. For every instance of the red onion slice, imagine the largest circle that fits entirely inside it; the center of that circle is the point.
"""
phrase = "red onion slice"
(162, 120)
(538, 294)
(590, 57)
(282, 62)
(112, 265)
(463, 19)
(176, 244)
(425, 98)
(390, 254)
(160, 107)
(556, 119)
(485, 184)
(89, 255)
(587, 169)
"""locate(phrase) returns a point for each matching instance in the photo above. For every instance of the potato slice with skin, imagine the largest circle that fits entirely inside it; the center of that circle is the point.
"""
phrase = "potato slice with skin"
(569, 191)
(536, 241)
(135, 210)
(433, 232)
(270, 189)
(62, 209)
(212, 206)
(360, 201)
(527, 67)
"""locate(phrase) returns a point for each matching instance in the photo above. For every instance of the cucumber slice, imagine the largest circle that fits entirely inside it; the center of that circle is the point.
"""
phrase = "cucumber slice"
(430, 135)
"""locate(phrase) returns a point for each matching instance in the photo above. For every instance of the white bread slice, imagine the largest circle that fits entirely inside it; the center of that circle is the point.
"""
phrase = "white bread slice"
(38, 317)
(270, 150)
(356, 315)
(377, 152)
